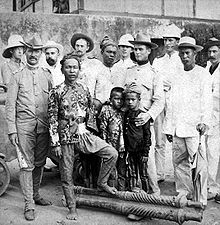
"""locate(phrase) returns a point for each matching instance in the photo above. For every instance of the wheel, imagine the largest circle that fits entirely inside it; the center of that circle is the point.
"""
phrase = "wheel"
(4, 176)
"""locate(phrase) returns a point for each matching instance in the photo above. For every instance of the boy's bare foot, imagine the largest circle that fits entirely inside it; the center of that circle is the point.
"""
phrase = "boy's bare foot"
(72, 214)
(105, 187)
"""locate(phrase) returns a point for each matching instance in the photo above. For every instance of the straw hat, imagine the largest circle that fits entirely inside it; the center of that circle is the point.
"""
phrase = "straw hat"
(34, 43)
(189, 42)
(124, 40)
(78, 36)
(53, 44)
(143, 40)
(13, 42)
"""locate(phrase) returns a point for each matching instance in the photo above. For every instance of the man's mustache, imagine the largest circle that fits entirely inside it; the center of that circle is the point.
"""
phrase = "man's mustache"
(211, 57)
(32, 57)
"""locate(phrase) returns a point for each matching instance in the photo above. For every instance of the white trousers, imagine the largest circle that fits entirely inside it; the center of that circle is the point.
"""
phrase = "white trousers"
(213, 154)
(152, 173)
(160, 146)
(183, 151)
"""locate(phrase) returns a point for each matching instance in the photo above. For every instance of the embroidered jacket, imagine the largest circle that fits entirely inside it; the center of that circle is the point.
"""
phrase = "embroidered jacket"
(110, 122)
(67, 109)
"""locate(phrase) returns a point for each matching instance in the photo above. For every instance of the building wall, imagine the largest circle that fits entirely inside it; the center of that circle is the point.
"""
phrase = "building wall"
(203, 9)
(61, 28)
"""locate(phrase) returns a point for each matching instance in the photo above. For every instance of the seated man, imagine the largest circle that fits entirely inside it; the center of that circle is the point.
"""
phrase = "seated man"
(69, 103)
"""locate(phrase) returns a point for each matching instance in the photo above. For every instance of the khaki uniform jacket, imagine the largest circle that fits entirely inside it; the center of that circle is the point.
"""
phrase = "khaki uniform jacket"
(8, 69)
(152, 96)
(27, 100)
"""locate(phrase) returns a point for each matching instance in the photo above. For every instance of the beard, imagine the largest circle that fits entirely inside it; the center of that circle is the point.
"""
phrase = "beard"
(51, 62)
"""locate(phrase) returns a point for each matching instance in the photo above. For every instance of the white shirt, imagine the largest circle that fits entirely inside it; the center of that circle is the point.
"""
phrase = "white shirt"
(168, 66)
(215, 94)
(191, 102)
(103, 84)
(90, 68)
(57, 75)
(119, 73)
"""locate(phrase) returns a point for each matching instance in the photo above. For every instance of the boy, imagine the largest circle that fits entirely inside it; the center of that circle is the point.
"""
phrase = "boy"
(137, 139)
(110, 122)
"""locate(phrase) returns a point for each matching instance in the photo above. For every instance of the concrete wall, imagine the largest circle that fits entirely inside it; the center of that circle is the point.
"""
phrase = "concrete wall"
(204, 9)
(61, 28)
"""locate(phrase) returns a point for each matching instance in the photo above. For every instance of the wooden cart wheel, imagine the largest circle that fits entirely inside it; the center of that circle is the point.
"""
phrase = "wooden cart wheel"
(4, 176)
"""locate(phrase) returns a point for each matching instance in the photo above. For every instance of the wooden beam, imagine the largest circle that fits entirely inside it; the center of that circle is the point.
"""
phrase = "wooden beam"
(27, 4)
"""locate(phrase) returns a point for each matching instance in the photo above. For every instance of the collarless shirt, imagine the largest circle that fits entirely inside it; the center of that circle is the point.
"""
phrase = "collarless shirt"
(191, 102)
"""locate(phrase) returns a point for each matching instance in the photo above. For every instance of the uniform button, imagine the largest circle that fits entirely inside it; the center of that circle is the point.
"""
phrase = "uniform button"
(35, 94)
(36, 106)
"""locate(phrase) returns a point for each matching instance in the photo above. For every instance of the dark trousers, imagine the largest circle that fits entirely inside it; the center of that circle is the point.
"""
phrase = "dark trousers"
(90, 169)
(137, 169)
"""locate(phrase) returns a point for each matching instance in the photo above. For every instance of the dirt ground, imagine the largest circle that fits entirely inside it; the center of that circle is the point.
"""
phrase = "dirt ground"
(11, 205)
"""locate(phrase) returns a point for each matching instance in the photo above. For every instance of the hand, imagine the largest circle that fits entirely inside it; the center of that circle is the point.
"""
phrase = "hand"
(169, 138)
(58, 152)
(141, 119)
(144, 159)
(201, 128)
(13, 138)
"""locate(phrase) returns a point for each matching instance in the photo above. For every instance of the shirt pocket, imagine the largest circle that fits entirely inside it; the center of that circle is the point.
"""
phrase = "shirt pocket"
(25, 88)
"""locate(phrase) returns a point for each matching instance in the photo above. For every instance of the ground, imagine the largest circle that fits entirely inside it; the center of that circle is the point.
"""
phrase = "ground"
(11, 205)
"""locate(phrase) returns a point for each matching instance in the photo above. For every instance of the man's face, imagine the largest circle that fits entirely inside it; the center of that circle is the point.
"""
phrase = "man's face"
(125, 51)
(187, 56)
(132, 100)
(52, 55)
(17, 53)
(214, 54)
(170, 43)
(81, 47)
(141, 52)
(117, 100)
(70, 70)
(33, 56)
(109, 55)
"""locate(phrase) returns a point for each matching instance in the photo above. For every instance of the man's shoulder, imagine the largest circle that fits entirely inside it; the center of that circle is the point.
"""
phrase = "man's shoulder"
(93, 59)
(19, 71)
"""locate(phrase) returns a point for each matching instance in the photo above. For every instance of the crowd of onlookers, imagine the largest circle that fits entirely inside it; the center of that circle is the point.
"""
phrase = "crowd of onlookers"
(116, 116)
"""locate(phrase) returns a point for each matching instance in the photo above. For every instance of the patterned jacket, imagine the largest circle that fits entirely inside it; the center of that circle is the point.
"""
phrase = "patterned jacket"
(67, 108)
(110, 124)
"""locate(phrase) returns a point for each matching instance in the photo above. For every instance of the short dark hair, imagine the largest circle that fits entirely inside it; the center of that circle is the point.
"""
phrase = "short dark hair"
(70, 56)
(116, 89)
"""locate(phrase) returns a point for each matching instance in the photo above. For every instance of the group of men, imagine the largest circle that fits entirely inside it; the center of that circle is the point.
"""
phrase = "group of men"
(179, 98)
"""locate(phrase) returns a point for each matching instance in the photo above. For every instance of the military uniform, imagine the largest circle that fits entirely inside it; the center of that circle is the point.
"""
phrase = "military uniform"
(8, 69)
(152, 100)
(26, 114)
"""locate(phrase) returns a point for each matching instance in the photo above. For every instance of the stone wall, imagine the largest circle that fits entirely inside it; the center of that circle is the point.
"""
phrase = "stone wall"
(61, 28)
